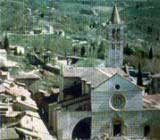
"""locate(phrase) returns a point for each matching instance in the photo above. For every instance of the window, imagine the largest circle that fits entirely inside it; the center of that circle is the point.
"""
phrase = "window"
(114, 33)
(117, 86)
(118, 34)
(118, 101)
(113, 46)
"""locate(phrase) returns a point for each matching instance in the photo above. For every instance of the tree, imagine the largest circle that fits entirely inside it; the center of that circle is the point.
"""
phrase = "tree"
(101, 50)
(139, 76)
(74, 51)
(151, 53)
(83, 51)
(6, 43)
(128, 50)
(64, 46)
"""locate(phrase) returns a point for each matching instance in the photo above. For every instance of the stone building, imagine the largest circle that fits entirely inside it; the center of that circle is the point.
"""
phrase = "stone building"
(155, 84)
(95, 102)
(19, 118)
(4, 62)
(115, 37)
(104, 103)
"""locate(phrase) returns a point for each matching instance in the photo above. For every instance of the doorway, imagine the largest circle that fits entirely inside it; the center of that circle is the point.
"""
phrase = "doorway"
(82, 130)
(117, 129)
(147, 130)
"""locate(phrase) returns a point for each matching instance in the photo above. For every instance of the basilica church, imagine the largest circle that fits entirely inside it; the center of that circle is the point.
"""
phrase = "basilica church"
(104, 103)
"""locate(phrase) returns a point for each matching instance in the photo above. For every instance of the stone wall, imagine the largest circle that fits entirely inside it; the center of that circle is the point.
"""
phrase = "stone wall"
(67, 121)
(101, 96)
(104, 112)
(102, 124)
(155, 85)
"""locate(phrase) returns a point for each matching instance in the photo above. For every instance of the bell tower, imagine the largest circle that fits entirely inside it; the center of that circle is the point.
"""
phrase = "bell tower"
(115, 37)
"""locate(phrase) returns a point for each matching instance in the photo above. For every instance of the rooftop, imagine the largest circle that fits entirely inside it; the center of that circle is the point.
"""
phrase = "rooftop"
(95, 76)
(157, 75)
(27, 77)
(18, 91)
(35, 126)
(151, 101)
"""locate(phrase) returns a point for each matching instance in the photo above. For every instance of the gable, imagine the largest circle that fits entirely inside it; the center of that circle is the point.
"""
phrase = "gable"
(117, 83)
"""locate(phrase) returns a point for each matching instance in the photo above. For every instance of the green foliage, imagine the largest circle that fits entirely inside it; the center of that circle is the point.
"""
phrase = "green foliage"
(83, 51)
(88, 62)
(129, 50)
(16, 14)
(43, 48)
(64, 46)
(151, 53)
(46, 82)
(101, 50)
(139, 76)
(69, 17)
(6, 43)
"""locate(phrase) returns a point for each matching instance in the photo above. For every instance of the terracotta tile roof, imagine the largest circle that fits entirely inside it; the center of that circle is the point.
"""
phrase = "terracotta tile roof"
(34, 126)
(28, 102)
(151, 101)
(27, 76)
(2, 73)
(22, 95)
(73, 71)
(95, 76)
(157, 75)
(12, 114)
(2, 89)
(18, 91)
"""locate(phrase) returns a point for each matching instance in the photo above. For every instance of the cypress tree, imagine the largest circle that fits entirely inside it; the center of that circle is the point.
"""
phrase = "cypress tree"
(101, 51)
(74, 51)
(139, 76)
(6, 43)
(151, 53)
(83, 51)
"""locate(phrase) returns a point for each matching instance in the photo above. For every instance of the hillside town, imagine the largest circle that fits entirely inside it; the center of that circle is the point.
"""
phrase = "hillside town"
(94, 87)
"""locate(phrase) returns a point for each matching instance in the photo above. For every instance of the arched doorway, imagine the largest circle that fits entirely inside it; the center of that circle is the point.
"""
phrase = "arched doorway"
(118, 128)
(82, 130)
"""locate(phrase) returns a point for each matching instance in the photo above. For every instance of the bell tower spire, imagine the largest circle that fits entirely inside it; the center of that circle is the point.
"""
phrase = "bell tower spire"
(115, 37)
(115, 17)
